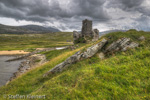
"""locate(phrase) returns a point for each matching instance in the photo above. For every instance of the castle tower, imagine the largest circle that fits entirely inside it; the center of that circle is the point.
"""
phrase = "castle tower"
(86, 28)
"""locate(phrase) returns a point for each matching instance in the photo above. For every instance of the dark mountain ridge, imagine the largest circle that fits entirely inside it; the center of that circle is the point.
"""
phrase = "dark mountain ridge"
(26, 29)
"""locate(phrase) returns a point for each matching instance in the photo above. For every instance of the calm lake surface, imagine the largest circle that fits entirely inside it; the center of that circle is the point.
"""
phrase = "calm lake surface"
(7, 68)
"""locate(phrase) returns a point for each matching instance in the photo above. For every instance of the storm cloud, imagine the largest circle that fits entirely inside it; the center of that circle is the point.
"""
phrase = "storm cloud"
(68, 14)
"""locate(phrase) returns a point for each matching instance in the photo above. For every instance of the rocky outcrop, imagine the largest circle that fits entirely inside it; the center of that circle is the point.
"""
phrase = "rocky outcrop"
(91, 51)
(142, 38)
(121, 45)
(60, 67)
(131, 45)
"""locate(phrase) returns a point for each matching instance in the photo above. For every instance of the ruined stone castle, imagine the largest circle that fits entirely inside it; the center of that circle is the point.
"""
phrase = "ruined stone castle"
(87, 33)
(87, 28)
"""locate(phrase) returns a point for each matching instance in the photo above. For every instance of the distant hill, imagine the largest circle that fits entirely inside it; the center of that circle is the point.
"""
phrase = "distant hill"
(27, 29)
(39, 28)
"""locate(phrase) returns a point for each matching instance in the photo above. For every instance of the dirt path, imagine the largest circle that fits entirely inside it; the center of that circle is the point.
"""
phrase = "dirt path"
(14, 52)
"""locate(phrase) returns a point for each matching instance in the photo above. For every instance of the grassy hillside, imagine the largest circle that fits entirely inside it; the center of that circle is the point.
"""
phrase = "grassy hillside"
(32, 41)
(122, 76)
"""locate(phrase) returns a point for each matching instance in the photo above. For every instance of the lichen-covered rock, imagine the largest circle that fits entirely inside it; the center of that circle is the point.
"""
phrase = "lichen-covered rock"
(74, 58)
(130, 46)
(118, 45)
(94, 49)
(121, 45)
(60, 67)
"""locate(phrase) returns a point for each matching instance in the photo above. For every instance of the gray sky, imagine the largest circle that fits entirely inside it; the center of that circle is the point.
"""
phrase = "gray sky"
(67, 15)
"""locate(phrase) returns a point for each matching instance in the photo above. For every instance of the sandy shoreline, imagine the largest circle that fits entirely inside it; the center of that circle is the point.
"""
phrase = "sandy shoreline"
(22, 52)
(14, 52)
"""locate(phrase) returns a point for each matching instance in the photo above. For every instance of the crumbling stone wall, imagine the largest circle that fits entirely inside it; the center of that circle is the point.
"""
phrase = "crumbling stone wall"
(77, 37)
(95, 34)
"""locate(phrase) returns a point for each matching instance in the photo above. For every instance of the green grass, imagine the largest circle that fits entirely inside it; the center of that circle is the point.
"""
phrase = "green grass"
(123, 76)
(32, 41)
(52, 54)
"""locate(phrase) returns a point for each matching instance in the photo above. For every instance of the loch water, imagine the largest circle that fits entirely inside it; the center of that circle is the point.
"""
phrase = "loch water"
(7, 68)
